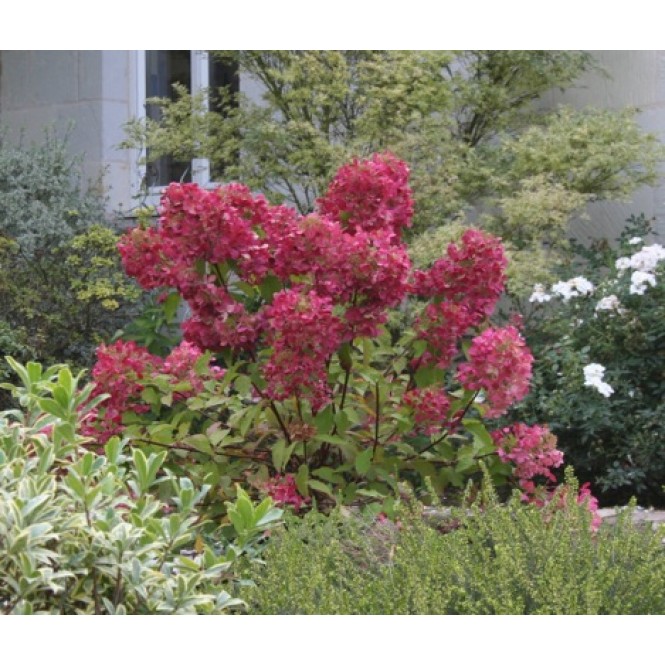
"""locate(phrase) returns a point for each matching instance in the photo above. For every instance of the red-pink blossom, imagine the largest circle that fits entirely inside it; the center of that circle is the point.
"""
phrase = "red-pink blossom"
(119, 371)
(303, 333)
(500, 365)
(122, 371)
(144, 258)
(442, 325)
(430, 408)
(283, 491)
(531, 449)
(370, 195)
(180, 364)
(472, 273)
(585, 497)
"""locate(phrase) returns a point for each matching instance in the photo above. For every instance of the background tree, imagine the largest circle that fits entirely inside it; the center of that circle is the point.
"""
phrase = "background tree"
(61, 287)
(466, 122)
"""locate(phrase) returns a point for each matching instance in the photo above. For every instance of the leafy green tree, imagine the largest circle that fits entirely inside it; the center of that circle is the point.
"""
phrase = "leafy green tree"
(465, 121)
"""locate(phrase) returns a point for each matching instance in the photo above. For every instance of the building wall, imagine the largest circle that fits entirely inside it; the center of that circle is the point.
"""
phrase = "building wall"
(89, 90)
(626, 79)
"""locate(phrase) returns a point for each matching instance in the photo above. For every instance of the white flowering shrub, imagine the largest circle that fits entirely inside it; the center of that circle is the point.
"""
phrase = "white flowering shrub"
(599, 378)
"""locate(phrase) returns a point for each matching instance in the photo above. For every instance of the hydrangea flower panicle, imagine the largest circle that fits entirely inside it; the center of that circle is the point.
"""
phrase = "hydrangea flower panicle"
(283, 491)
(499, 364)
(370, 195)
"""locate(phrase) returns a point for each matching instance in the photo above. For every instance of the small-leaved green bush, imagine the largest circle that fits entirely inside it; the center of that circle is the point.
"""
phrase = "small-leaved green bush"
(491, 559)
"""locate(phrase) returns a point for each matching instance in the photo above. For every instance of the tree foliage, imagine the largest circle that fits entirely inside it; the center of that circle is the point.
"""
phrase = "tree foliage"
(465, 121)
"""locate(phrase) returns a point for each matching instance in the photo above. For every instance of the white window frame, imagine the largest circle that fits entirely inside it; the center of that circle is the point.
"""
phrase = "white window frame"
(200, 77)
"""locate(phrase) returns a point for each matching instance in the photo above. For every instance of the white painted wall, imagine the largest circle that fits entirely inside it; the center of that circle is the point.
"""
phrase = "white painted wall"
(629, 79)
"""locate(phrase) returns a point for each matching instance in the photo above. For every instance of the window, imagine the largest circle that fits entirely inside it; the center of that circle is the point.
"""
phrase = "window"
(157, 71)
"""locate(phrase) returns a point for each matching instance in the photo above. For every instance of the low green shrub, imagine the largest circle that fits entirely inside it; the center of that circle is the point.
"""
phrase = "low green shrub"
(106, 531)
(492, 559)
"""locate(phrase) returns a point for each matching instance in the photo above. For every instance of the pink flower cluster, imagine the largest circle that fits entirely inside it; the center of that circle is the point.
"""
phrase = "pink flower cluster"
(500, 365)
(472, 273)
(430, 406)
(121, 372)
(283, 491)
(591, 502)
(303, 333)
(349, 256)
(465, 286)
(532, 451)
(370, 195)
(542, 496)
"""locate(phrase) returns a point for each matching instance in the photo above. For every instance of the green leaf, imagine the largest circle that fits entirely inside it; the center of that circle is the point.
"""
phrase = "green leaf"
(424, 468)
(344, 354)
(481, 436)
(429, 375)
(466, 464)
(348, 447)
(51, 406)
(34, 371)
(243, 385)
(364, 461)
(325, 420)
(20, 370)
(419, 347)
(170, 306)
(66, 380)
(61, 396)
(302, 478)
(75, 484)
(161, 433)
(326, 473)
(201, 442)
(281, 453)
(269, 286)
(277, 454)
(318, 486)
(342, 421)
(141, 465)
(151, 396)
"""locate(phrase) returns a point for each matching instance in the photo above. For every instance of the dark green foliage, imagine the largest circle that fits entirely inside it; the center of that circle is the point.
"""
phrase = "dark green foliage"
(61, 287)
(617, 442)
(493, 559)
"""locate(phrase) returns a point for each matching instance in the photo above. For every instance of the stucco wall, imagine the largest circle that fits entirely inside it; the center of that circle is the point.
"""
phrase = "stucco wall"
(91, 90)
(627, 79)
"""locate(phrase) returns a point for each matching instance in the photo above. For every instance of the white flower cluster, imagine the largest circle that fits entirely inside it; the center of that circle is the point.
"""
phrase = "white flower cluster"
(611, 304)
(539, 294)
(644, 264)
(577, 286)
(593, 377)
